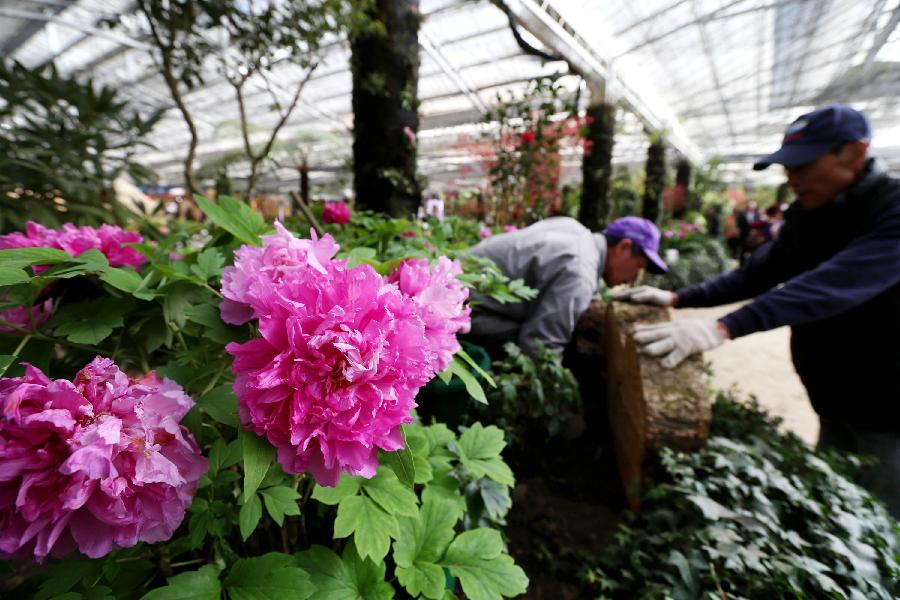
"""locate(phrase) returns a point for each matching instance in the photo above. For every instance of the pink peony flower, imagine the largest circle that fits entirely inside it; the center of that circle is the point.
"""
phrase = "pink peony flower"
(484, 232)
(96, 464)
(335, 212)
(76, 240)
(441, 299)
(510, 228)
(335, 372)
(248, 284)
(18, 315)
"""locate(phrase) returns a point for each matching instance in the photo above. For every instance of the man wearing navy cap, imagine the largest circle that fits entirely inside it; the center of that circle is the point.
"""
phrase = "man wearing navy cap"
(833, 275)
(564, 261)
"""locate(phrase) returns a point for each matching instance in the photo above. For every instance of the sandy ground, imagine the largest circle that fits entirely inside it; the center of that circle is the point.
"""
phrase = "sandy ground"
(760, 364)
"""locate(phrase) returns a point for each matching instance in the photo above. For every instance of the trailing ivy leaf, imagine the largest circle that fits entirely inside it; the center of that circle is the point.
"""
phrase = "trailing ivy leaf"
(479, 450)
(13, 276)
(258, 456)
(235, 217)
(273, 576)
(421, 543)
(280, 501)
(249, 516)
(347, 486)
(90, 322)
(221, 404)
(372, 528)
(345, 578)
(209, 264)
(458, 368)
(202, 584)
(476, 557)
(390, 494)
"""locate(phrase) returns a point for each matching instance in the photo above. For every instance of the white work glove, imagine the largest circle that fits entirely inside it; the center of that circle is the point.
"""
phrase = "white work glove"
(676, 340)
(645, 294)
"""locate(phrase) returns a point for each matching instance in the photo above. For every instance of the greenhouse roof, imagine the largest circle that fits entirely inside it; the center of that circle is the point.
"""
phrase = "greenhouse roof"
(719, 77)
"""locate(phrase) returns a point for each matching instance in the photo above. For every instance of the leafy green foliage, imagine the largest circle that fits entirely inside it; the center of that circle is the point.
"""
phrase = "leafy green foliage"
(64, 139)
(700, 258)
(754, 515)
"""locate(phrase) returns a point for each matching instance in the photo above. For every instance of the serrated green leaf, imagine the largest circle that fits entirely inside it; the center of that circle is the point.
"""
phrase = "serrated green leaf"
(479, 450)
(476, 557)
(258, 455)
(458, 368)
(421, 543)
(273, 576)
(202, 584)
(249, 516)
(235, 217)
(209, 264)
(347, 486)
(221, 404)
(390, 494)
(345, 578)
(90, 322)
(281, 501)
(372, 528)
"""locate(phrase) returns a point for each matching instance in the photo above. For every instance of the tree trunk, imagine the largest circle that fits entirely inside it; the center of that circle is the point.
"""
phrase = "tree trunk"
(385, 65)
(304, 182)
(656, 178)
(683, 173)
(596, 166)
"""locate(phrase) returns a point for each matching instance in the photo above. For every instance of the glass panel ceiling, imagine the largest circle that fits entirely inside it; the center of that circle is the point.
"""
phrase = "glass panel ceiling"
(723, 77)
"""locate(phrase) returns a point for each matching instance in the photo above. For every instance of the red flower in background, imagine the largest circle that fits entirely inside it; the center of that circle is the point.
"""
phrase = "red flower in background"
(527, 137)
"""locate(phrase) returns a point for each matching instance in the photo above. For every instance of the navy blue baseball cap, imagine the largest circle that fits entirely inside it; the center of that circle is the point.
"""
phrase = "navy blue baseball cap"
(813, 134)
(643, 233)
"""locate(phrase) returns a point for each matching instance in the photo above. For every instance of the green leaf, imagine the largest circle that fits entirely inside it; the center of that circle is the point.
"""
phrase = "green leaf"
(209, 264)
(273, 576)
(476, 557)
(471, 362)
(194, 585)
(458, 368)
(235, 217)
(280, 501)
(17, 258)
(372, 528)
(249, 516)
(221, 404)
(123, 279)
(5, 361)
(390, 494)
(13, 276)
(223, 455)
(401, 462)
(90, 322)
(446, 375)
(347, 578)
(479, 450)
(421, 543)
(258, 455)
(347, 486)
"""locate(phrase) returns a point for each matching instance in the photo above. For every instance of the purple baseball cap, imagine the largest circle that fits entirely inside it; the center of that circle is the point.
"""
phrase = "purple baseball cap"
(643, 233)
(814, 133)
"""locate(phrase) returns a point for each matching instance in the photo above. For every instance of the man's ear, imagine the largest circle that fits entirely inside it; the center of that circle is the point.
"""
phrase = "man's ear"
(624, 246)
(854, 154)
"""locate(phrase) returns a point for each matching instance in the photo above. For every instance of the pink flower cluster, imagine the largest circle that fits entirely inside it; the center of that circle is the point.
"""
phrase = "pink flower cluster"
(108, 239)
(94, 464)
(342, 351)
(18, 316)
(335, 212)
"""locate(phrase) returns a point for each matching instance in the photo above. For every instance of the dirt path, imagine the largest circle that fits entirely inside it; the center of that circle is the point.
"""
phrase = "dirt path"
(760, 364)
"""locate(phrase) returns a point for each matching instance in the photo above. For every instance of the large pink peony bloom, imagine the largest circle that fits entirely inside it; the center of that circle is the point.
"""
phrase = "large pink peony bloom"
(96, 464)
(76, 240)
(248, 284)
(18, 315)
(335, 212)
(441, 299)
(335, 372)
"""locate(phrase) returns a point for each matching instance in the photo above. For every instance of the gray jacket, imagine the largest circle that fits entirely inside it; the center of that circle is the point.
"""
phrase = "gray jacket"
(563, 261)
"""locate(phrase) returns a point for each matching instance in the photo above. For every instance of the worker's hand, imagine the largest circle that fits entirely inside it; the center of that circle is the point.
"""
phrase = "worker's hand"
(645, 294)
(676, 340)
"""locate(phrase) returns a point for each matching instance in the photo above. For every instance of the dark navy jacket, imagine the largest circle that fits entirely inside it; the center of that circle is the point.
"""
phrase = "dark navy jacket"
(840, 270)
